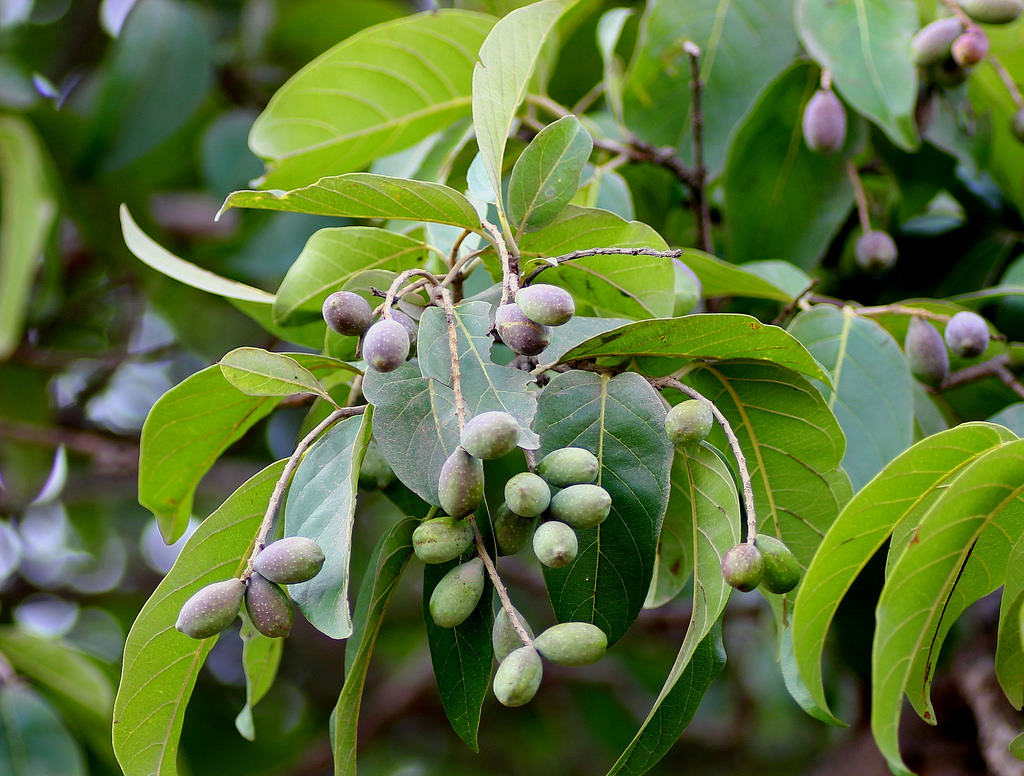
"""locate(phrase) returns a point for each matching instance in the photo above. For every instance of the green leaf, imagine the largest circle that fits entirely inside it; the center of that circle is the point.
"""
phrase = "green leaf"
(388, 562)
(33, 740)
(609, 31)
(414, 424)
(547, 174)
(1017, 747)
(71, 680)
(381, 90)
(745, 44)
(331, 258)
(1010, 643)
(258, 372)
(621, 420)
(898, 496)
(873, 395)
(160, 665)
(190, 426)
(720, 278)
(260, 658)
(485, 385)
(701, 523)
(366, 195)
(608, 286)
(702, 336)
(674, 708)
(863, 44)
(921, 585)
(321, 506)
(25, 221)
(502, 73)
(783, 199)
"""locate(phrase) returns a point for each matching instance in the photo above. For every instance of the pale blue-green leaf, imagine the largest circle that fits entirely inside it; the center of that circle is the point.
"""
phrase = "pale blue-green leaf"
(578, 329)
(720, 278)
(793, 280)
(609, 30)
(1012, 417)
(33, 739)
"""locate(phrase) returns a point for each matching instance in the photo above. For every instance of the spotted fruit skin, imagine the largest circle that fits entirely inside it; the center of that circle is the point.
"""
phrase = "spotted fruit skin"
(926, 352)
(504, 638)
(290, 560)
(527, 494)
(490, 435)
(268, 607)
(518, 677)
(875, 251)
(581, 506)
(781, 569)
(555, 544)
(521, 334)
(441, 539)
(967, 334)
(689, 422)
(460, 487)
(211, 609)
(824, 123)
(457, 594)
(347, 313)
(569, 466)
(572, 643)
(386, 345)
(743, 567)
(546, 304)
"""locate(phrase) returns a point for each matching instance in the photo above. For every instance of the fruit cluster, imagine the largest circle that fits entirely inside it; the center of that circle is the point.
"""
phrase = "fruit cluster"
(386, 344)
(966, 336)
(215, 606)
(524, 325)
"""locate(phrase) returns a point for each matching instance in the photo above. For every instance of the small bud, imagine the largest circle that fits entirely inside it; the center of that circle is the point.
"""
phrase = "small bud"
(460, 487)
(970, 48)
(211, 609)
(518, 677)
(743, 567)
(511, 531)
(386, 345)
(441, 539)
(926, 352)
(781, 569)
(504, 638)
(527, 494)
(290, 560)
(457, 594)
(581, 506)
(875, 251)
(269, 607)
(491, 435)
(967, 334)
(992, 11)
(934, 41)
(555, 544)
(824, 123)
(572, 644)
(521, 334)
(689, 422)
(347, 313)
(546, 304)
(569, 466)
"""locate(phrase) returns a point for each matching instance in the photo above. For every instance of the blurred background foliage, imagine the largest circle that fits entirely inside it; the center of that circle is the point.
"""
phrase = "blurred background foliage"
(150, 103)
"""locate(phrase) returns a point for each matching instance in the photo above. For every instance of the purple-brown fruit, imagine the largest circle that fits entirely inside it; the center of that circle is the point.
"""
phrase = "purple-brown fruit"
(875, 251)
(742, 567)
(967, 334)
(386, 345)
(934, 41)
(211, 609)
(926, 352)
(347, 313)
(290, 560)
(268, 607)
(970, 48)
(824, 123)
(521, 334)
(546, 304)
(412, 328)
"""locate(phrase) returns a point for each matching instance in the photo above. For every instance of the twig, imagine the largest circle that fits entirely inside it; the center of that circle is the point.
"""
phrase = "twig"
(454, 278)
(859, 195)
(899, 309)
(453, 352)
(994, 367)
(795, 302)
(428, 277)
(499, 586)
(588, 99)
(509, 264)
(1007, 79)
(699, 201)
(549, 263)
(278, 495)
(734, 444)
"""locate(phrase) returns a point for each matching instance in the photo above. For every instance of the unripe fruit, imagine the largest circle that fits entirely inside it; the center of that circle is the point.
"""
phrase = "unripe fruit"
(824, 123)
(511, 531)
(519, 333)
(970, 48)
(947, 74)
(687, 289)
(1017, 125)
(347, 313)
(527, 494)
(491, 435)
(555, 544)
(993, 11)
(457, 594)
(743, 567)
(518, 677)
(689, 422)
(933, 42)
(412, 328)
(290, 560)
(569, 466)
(386, 345)
(967, 334)
(781, 570)
(375, 471)
(875, 251)
(581, 506)
(546, 304)
(572, 643)
(460, 488)
(504, 638)
(211, 609)
(268, 606)
(926, 352)
(441, 539)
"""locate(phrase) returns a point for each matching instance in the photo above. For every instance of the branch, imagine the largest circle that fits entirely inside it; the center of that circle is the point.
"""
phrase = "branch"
(278, 495)
(428, 278)
(453, 352)
(734, 444)
(1007, 79)
(599, 252)
(699, 201)
(995, 367)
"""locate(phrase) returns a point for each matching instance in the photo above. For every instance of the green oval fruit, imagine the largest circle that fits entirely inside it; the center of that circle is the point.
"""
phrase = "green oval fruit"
(412, 328)
(457, 594)
(269, 607)
(521, 334)
(555, 544)
(933, 43)
(518, 677)
(546, 304)
(689, 422)
(743, 567)
(460, 488)
(504, 638)
(993, 11)
(572, 643)
(569, 466)
(926, 352)
(581, 506)
(1017, 125)
(967, 334)
(875, 251)
(824, 123)
(687, 289)
(290, 560)
(781, 570)
(347, 313)
(386, 345)
(511, 531)
(491, 435)
(970, 48)
(211, 609)
(375, 473)
(441, 539)
(527, 494)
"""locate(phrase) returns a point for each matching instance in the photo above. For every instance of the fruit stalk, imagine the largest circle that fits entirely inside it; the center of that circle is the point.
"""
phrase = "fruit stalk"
(859, 196)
